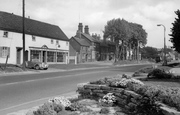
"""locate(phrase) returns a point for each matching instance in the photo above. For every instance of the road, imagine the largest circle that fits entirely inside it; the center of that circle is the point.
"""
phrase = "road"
(20, 90)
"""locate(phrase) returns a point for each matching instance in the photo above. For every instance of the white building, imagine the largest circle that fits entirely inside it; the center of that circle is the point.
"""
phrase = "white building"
(43, 42)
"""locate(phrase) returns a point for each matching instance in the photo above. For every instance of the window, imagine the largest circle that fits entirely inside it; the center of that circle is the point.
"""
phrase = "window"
(57, 42)
(4, 51)
(5, 34)
(33, 38)
(67, 43)
(52, 41)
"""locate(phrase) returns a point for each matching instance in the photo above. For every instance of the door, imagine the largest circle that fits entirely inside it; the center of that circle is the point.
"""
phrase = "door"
(18, 58)
(44, 56)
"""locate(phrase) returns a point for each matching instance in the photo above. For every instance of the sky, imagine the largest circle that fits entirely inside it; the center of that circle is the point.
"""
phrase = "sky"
(67, 14)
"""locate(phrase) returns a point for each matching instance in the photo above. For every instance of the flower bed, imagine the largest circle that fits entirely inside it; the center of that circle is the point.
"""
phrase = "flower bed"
(114, 96)
(122, 88)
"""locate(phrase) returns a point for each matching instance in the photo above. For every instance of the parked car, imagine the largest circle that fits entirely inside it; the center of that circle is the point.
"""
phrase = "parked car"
(36, 65)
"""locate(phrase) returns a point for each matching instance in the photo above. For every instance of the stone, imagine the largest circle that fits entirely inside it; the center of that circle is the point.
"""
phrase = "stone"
(169, 111)
(104, 87)
(92, 86)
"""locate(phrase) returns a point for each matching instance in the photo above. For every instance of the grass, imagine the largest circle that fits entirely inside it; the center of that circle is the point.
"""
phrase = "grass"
(162, 82)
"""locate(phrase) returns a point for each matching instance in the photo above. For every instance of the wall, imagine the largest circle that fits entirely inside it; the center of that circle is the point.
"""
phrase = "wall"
(14, 40)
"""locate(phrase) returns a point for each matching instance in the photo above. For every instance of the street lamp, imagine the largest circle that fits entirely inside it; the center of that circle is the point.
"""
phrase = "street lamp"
(165, 61)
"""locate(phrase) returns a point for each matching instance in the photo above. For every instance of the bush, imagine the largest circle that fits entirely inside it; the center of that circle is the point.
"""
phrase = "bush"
(159, 74)
(167, 95)
(146, 106)
(104, 111)
(48, 109)
(76, 106)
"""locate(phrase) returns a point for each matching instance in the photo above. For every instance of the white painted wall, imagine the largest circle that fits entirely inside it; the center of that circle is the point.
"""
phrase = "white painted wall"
(14, 40)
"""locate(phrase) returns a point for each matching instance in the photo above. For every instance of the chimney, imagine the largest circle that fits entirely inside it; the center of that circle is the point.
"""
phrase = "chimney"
(80, 27)
(86, 29)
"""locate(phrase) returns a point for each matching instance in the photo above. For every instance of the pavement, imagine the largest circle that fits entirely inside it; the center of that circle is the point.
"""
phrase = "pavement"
(22, 109)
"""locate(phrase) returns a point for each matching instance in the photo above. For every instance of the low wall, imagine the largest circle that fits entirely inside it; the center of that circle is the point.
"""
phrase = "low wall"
(126, 98)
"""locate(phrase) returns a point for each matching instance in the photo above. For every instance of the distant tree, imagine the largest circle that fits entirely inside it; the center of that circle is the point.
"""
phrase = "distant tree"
(175, 35)
(149, 52)
(117, 30)
(125, 35)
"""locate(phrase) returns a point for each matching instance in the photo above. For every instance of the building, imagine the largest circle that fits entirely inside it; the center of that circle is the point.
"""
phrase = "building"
(43, 42)
(81, 49)
(94, 43)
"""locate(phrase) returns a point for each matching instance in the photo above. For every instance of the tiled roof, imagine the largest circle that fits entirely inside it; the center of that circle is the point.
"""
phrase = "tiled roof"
(11, 22)
(82, 42)
(90, 38)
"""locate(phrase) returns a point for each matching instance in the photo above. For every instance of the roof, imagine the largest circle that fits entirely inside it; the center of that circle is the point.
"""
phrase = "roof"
(13, 23)
(90, 38)
(82, 42)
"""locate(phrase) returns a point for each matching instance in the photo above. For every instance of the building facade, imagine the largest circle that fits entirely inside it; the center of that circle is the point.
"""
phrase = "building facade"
(43, 42)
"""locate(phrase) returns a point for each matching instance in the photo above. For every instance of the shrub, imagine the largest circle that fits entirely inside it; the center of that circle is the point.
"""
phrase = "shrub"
(146, 106)
(76, 106)
(159, 74)
(108, 100)
(167, 95)
(104, 110)
(60, 100)
(48, 109)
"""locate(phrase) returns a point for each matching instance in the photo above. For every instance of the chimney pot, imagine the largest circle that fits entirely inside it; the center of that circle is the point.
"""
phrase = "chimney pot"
(86, 29)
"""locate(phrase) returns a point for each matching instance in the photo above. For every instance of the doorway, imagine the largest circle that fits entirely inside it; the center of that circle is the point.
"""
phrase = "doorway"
(18, 55)
(44, 57)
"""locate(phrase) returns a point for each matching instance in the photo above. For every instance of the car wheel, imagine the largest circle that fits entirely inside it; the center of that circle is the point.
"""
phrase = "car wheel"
(37, 67)
(45, 68)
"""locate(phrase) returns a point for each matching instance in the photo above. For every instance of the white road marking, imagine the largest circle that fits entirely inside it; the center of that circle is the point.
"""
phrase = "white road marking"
(49, 78)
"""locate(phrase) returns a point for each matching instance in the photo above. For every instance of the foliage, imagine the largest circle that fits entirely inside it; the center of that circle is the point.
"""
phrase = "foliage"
(159, 74)
(149, 52)
(167, 95)
(108, 99)
(146, 106)
(123, 83)
(76, 106)
(124, 34)
(175, 35)
(49, 109)
(104, 110)
(60, 100)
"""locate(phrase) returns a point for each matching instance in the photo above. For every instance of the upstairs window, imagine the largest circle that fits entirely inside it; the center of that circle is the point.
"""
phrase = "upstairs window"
(52, 41)
(4, 51)
(33, 38)
(5, 34)
(57, 42)
(67, 43)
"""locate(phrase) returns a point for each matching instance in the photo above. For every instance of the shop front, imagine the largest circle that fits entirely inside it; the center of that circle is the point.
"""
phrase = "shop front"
(48, 55)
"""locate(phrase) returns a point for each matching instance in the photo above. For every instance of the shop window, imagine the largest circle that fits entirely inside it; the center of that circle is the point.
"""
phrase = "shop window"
(60, 56)
(5, 34)
(51, 56)
(35, 55)
(4, 51)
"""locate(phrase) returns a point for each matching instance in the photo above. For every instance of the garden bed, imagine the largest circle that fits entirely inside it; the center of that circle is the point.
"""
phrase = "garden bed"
(119, 95)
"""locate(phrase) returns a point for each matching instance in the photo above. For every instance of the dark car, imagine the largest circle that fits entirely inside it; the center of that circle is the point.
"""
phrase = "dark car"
(36, 65)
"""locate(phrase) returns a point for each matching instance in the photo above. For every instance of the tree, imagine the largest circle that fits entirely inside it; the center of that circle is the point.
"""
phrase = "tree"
(175, 36)
(117, 30)
(149, 52)
(125, 35)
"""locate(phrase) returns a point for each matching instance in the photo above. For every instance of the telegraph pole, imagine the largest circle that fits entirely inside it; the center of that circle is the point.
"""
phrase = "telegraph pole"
(23, 31)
